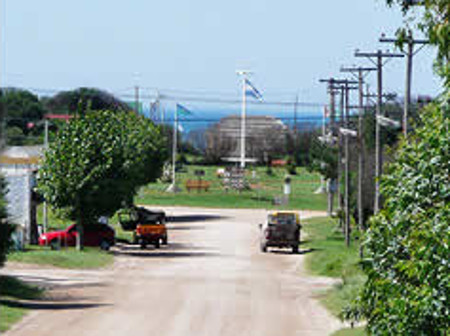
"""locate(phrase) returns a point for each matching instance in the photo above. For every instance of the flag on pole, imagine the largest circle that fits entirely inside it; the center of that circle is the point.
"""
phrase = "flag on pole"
(181, 110)
(326, 113)
(251, 91)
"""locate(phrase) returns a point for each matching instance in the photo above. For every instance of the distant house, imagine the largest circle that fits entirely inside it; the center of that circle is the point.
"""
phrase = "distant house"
(265, 138)
(18, 164)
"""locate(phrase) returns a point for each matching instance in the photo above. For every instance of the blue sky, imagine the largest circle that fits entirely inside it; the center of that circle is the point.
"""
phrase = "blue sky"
(197, 45)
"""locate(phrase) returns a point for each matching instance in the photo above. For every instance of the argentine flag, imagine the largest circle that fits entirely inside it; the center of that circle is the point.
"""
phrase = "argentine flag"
(251, 91)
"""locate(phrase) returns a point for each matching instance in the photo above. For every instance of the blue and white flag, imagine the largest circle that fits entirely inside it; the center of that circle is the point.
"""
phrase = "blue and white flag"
(251, 91)
(181, 110)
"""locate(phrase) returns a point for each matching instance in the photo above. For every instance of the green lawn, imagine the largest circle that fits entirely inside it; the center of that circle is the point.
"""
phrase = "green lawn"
(330, 257)
(10, 289)
(350, 332)
(264, 188)
(89, 258)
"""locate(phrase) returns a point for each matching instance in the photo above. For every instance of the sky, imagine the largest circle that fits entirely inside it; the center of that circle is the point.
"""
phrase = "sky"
(197, 45)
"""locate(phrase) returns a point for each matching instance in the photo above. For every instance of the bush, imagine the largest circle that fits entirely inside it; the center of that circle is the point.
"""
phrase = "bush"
(407, 244)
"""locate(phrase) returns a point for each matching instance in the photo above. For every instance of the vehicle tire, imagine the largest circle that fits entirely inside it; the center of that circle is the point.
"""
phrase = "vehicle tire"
(55, 245)
(263, 248)
(143, 244)
(164, 240)
(295, 249)
(157, 244)
(105, 245)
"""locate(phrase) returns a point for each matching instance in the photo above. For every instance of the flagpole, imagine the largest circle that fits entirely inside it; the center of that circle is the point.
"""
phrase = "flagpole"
(174, 149)
(243, 116)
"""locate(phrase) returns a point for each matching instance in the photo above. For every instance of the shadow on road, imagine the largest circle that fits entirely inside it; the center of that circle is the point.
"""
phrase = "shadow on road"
(168, 254)
(50, 305)
(290, 252)
(187, 227)
(194, 218)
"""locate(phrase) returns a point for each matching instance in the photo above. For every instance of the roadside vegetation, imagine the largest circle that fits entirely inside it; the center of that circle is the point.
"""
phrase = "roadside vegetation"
(330, 257)
(88, 258)
(12, 289)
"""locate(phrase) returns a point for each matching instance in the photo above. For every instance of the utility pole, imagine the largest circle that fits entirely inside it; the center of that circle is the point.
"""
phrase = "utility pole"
(136, 98)
(332, 93)
(410, 53)
(295, 130)
(378, 56)
(346, 123)
(360, 71)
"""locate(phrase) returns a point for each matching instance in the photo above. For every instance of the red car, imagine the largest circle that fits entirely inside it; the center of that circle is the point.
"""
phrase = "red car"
(94, 235)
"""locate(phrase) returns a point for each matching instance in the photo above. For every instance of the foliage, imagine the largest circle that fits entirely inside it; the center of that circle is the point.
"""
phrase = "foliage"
(98, 161)
(83, 99)
(323, 158)
(5, 228)
(22, 110)
(407, 244)
(433, 20)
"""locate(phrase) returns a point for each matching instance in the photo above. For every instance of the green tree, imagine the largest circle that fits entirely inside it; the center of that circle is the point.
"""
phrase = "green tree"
(433, 21)
(97, 163)
(22, 110)
(408, 282)
(5, 227)
(83, 99)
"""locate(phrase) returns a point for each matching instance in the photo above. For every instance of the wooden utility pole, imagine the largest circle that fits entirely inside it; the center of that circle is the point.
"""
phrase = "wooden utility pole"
(378, 56)
(359, 72)
(333, 132)
(410, 52)
(346, 123)
(136, 99)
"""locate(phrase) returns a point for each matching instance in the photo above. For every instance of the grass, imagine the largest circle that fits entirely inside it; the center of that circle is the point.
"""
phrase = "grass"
(89, 258)
(264, 188)
(332, 258)
(10, 289)
(350, 332)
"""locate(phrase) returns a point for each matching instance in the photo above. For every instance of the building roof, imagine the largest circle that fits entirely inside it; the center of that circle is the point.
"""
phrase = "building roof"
(21, 155)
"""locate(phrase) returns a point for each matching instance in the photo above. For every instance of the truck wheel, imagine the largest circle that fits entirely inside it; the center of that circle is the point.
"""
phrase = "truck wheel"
(164, 240)
(157, 243)
(295, 249)
(105, 245)
(143, 244)
(55, 245)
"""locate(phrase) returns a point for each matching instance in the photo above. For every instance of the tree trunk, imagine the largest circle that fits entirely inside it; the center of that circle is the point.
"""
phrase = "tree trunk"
(80, 234)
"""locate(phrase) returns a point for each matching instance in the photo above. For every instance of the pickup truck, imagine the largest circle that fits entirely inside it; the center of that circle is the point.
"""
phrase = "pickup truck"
(281, 229)
(149, 227)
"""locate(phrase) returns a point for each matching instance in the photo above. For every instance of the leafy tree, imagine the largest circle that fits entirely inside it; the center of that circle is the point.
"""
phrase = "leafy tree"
(5, 228)
(21, 109)
(433, 20)
(408, 282)
(97, 163)
(83, 99)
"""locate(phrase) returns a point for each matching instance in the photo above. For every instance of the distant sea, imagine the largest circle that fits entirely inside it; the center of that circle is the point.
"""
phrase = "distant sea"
(203, 119)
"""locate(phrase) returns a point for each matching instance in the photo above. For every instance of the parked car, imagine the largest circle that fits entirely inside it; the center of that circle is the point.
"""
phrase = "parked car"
(148, 226)
(281, 229)
(97, 234)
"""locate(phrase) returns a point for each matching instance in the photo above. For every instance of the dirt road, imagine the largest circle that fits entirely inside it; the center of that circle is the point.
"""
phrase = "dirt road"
(211, 280)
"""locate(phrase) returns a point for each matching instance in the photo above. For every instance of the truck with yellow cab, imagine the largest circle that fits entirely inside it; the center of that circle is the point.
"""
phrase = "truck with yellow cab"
(149, 227)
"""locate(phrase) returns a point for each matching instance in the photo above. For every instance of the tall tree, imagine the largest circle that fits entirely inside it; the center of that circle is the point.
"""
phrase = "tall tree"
(97, 163)
(83, 99)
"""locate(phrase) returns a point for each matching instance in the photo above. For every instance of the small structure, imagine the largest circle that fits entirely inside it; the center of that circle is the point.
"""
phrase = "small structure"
(19, 164)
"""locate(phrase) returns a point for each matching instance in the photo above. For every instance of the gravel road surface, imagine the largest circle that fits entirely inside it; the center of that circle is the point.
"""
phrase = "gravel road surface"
(211, 280)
